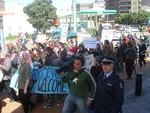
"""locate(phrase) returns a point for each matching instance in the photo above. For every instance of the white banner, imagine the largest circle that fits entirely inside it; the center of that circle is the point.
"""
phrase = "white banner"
(41, 38)
(81, 36)
(90, 42)
(107, 35)
(64, 33)
(89, 62)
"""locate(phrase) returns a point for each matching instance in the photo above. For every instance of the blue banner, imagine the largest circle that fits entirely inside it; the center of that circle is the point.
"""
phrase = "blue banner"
(48, 82)
(14, 81)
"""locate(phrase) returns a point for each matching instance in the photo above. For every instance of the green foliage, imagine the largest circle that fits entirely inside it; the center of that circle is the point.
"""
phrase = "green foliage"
(41, 14)
(48, 34)
(91, 31)
(139, 18)
(12, 37)
(144, 30)
(29, 36)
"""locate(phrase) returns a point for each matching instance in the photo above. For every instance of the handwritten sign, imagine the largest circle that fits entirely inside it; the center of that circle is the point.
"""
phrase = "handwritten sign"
(64, 33)
(107, 35)
(90, 42)
(50, 86)
(41, 38)
(89, 62)
(81, 36)
(48, 82)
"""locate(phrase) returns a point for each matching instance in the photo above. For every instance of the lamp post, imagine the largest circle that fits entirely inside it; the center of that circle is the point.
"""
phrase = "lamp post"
(1, 33)
(74, 15)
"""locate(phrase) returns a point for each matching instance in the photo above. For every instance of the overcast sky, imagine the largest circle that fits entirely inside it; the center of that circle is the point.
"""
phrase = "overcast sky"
(57, 3)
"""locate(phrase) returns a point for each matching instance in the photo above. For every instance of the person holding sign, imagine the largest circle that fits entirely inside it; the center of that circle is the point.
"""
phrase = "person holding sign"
(80, 79)
(24, 80)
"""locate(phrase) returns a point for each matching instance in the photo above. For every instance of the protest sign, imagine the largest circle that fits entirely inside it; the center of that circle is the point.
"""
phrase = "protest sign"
(107, 35)
(1, 74)
(48, 82)
(89, 62)
(81, 36)
(41, 38)
(64, 33)
(14, 81)
(90, 42)
(50, 86)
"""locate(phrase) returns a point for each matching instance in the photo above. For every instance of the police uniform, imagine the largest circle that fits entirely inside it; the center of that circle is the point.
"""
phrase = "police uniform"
(110, 91)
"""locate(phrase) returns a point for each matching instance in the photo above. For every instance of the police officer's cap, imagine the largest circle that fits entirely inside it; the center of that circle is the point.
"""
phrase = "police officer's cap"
(107, 60)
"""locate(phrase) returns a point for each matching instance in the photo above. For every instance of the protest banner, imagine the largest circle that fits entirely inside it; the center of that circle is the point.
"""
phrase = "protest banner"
(89, 62)
(90, 42)
(107, 35)
(14, 81)
(48, 82)
(41, 38)
(64, 33)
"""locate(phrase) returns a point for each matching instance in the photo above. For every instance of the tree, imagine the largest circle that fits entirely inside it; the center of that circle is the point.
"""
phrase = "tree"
(41, 14)
(143, 17)
(139, 18)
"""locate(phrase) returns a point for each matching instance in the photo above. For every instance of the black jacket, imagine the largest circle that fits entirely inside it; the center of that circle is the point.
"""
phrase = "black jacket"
(110, 94)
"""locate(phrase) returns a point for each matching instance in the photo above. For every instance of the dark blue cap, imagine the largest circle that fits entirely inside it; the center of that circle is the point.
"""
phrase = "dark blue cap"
(107, 60)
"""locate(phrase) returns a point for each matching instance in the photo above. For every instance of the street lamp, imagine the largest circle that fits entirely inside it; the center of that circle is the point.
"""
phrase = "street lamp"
(1, 33)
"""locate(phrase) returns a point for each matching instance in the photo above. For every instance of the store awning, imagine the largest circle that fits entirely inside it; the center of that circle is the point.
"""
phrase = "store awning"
(92, 12)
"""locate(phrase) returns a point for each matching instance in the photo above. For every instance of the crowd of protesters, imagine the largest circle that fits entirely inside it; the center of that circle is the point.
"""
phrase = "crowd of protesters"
(53, 53)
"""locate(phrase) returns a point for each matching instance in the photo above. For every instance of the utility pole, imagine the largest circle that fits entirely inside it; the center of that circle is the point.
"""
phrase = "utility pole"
(74, 15)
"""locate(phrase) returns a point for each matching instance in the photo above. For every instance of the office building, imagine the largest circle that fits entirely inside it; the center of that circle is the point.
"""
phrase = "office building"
(146, 3)
(98, 4)
(2, 5)
(83, 6)
(124, 6)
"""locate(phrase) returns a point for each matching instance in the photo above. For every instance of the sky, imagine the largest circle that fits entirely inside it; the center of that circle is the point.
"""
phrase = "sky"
(57, 3)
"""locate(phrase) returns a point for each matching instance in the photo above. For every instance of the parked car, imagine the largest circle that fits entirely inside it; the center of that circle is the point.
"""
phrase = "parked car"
(132, 29)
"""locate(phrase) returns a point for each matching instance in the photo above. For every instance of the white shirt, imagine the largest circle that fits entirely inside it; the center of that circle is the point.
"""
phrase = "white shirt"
(108, 74)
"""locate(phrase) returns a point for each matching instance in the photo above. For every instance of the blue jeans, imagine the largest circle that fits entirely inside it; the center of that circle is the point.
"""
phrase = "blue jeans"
(72, 100)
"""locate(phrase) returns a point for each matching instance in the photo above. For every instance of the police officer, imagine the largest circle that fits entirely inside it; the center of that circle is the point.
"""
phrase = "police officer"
(110, 90)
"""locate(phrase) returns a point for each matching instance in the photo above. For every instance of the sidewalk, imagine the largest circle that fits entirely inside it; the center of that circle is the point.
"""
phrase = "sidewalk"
(138, 104)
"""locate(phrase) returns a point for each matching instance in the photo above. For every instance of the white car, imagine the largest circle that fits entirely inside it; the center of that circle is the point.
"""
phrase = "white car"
(132, 29)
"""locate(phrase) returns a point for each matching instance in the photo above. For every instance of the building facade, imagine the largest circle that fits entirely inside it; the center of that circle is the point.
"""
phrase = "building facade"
(83, 6)
(146, 3)
(124, 6)
(97, 5)
(15, 21)
(112, 4)
(2, 5)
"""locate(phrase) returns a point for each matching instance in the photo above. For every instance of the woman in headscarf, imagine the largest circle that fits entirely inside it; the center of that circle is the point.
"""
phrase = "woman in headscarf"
(24, 80)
